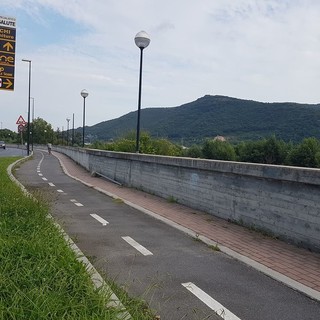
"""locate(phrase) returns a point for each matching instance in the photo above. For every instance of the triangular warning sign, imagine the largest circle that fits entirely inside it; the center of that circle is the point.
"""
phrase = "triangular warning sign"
(21, 121)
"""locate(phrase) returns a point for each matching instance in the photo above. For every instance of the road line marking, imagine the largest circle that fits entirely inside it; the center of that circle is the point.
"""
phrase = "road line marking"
(76, 203)
(44, 179)
(138, 246)
(101, 220)
(40, 174)
(59, 190)
(51, 184)
(217, 307)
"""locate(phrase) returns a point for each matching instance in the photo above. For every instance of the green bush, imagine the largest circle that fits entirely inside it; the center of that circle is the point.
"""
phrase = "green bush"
(148, 145)
(306, 154)
(219, 150)
(268, 151)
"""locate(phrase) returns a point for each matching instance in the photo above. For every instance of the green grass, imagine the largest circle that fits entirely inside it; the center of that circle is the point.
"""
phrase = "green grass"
(40, 276)
(172, 199)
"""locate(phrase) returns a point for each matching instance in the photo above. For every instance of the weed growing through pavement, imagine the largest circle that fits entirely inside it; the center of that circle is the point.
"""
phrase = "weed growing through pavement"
(172, 199)
(118, 200)
(214, 247)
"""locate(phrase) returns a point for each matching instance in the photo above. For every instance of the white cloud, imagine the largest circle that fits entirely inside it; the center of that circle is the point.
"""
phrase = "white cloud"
(263, 50)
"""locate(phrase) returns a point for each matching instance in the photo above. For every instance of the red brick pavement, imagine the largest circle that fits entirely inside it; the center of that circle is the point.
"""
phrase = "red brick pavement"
(265, 253)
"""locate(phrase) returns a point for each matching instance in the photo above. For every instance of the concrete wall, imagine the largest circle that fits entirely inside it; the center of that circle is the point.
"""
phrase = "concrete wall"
(284, 201)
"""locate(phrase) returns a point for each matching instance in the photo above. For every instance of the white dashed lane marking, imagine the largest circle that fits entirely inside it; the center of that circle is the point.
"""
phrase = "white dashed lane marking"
(59, 190)
(78, 204)
(138, 246)
(98, 218)
(51, 184)
(217, 307)
(44, 179)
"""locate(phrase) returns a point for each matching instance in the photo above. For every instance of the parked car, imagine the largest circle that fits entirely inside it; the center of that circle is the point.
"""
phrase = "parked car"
(2, 145)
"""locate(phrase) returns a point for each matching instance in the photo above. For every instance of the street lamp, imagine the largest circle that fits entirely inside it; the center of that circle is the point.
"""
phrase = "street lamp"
(142, 40)
(72, 139)
(68, 120)
(84, 93)
(28, 132)
(32, 133)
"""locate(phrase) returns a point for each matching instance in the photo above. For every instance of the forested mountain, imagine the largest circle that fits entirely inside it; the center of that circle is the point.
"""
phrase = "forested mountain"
(210, 116)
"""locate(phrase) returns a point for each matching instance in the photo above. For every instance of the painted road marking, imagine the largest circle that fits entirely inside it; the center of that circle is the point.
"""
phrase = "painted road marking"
(217, 307)
(44, 179)
(138, 246)
(101, 220)
(40, 174)
(76, 202)
(51, 184)
(59, 190)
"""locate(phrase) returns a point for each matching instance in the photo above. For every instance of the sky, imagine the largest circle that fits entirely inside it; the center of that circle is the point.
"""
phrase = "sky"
(263, 50)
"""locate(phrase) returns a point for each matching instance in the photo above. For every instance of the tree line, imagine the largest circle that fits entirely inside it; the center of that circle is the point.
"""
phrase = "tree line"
(267, 151)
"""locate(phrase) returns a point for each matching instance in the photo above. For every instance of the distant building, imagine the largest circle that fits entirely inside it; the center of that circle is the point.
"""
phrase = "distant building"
(219, 138)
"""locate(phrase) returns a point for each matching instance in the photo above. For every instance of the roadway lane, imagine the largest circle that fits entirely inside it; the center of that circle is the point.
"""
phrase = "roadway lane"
(178, 276)
(13, 152)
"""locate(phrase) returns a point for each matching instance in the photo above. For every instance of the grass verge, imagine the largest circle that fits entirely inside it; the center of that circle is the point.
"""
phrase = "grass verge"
(40, 276)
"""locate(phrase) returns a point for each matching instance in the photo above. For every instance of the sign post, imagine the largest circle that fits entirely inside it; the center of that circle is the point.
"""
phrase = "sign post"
(7, 52)
(21, 126)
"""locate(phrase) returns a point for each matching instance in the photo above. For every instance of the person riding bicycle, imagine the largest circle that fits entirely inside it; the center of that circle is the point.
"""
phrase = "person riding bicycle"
(49, 147)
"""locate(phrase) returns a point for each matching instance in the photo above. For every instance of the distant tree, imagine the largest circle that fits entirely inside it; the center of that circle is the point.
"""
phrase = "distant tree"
(269, 151)
(165, 147)
(9, 136)
(194, 151)
(42, 132)
(251, 151)
(147, 145)
(306, 154)
(219, 150)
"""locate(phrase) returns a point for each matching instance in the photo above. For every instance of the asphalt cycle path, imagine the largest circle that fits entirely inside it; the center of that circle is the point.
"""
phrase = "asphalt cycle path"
(179, 276)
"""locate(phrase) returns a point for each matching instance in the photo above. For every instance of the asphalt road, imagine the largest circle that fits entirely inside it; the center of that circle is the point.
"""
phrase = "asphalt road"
(13, 152)
(180, 277)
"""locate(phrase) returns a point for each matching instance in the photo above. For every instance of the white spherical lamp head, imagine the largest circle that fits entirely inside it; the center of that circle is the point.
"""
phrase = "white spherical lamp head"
(84, 93)
(142, 39)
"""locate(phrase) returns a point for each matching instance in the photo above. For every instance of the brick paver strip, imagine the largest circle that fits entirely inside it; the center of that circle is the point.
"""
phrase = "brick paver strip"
(251, 247)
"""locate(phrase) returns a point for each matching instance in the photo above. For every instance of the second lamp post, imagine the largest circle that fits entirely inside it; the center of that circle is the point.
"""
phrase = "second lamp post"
(29, 98)
(84, 93)
(142, 40)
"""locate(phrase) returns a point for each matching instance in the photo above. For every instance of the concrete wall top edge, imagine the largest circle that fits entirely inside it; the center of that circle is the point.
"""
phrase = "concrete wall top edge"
(264, 171)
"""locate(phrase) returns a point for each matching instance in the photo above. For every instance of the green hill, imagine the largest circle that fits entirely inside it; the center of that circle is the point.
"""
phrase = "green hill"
(210, 116)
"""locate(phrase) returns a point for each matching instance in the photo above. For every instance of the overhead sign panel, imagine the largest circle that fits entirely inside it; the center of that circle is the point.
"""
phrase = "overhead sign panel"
(7, 52)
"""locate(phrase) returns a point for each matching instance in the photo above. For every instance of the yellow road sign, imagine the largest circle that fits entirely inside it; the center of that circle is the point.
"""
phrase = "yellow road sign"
(7, 52)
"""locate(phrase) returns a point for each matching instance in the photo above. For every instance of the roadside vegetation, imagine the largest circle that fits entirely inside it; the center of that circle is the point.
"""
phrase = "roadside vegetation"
(40, 276)
(267, 151)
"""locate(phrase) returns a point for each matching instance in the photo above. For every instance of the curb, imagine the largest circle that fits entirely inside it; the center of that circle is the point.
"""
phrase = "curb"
(96, 278)
(295, 285)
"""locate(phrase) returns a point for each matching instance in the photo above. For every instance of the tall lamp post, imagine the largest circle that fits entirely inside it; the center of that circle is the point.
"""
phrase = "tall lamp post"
(72, 139)
(142, 40)
(68, 120)
(84, 93)
(32, 130)
(28, 131)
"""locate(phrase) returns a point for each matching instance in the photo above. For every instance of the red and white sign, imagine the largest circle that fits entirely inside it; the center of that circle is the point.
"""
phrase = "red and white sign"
(21, 128)
(21, 121)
